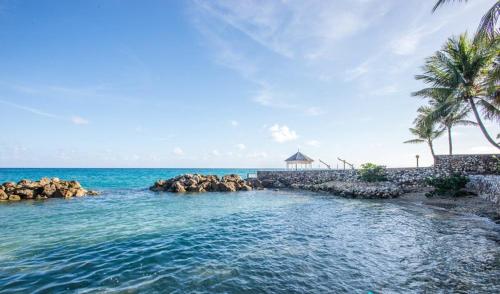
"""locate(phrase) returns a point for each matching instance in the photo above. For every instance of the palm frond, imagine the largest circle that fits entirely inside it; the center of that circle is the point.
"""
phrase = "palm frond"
(465, 122)
(487, 26)
(433, 92)
(414, 141)
(440, 3)
(489, 110)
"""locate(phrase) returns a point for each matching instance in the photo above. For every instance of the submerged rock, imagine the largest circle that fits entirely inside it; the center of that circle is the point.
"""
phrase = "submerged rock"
(205, 183)
(42, 189)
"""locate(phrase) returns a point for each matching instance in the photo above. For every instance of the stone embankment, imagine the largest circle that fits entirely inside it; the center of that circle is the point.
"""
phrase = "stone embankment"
(364, 190)
(205, 183)
(486, 187)
(347, 183)
(470, 164)
(483, 171)
(405, 178)
(42, 189)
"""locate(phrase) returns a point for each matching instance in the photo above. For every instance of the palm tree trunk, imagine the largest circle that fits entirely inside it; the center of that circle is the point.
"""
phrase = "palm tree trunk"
(450, 144)
(429, 142)
(480, 123)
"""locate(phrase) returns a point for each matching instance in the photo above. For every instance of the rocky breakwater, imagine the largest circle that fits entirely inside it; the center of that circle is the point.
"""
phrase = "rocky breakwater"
(205, 183)
(356, 189)
(42, 189)
(349, 183)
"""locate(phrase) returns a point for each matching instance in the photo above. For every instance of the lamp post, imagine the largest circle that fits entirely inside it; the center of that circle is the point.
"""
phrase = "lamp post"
(417, 156)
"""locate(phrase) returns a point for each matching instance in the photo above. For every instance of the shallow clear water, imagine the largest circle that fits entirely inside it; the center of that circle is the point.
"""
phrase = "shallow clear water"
(132, 240)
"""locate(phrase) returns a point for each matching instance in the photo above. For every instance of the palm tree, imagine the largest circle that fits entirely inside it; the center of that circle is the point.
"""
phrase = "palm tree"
(459, 71)
(487, 26)
(446, 114)
(424, 131)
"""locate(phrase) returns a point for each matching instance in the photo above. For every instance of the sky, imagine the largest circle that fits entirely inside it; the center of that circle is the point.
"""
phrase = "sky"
(220, 83)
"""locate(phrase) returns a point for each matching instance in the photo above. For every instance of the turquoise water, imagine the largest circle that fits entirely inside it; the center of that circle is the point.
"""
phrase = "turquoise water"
(135, 241)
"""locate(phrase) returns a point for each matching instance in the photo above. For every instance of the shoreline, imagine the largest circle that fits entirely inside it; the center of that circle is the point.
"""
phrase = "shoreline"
(470, 204)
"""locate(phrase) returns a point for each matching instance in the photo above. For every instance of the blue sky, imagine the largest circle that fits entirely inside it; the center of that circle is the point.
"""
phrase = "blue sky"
(219, 83)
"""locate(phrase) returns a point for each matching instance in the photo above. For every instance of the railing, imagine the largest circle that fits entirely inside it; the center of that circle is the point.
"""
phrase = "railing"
(252, 176)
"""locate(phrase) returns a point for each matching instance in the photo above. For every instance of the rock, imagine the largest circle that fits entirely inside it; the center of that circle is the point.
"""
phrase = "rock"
(267, 183)
(197, 183)
(92, 193)
(24, 182)
(79, 192)
(9, 186)
(278, 184)
(195, 189)
(25, 193)
(3, 195)
(206, 185)
(74, 185)
(42, 189)
(190, 182)
(44, 181)
(214, 186)
(231, 178)
(226, 187)
(49, 190)
(255, 183)
(177, 187)
(245, 188)
(14, 197)
(62, 193)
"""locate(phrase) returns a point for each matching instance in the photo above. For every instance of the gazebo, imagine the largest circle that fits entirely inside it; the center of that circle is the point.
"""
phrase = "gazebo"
(299, 160)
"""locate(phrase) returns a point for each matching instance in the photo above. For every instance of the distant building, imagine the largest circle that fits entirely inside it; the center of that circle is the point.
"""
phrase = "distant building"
(299, 161)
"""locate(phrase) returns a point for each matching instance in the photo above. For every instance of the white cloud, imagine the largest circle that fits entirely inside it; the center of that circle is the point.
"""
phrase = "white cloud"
(352, 74)
(408, 43)
(313, 143)
(267, 98)
(282, 134)
(178, 151)
(292, 29)
(29, 109)
(77, 120)
(241, 146)
(234, 123)
(263, 98)
(215, 152)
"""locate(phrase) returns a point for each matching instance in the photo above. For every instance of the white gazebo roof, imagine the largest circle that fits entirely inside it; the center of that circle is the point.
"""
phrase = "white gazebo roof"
(299, 158)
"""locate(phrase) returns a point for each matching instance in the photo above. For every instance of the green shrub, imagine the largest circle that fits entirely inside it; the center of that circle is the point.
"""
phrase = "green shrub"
(370, 172)
(448, 186)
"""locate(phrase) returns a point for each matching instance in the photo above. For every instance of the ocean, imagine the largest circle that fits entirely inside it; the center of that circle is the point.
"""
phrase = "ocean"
(132, 240)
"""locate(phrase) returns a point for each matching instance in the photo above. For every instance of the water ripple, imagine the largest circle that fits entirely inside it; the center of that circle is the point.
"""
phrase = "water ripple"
(270, 242)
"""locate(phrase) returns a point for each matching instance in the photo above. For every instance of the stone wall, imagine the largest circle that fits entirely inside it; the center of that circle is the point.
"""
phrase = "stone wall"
(406, 177)
(469, 163)
(486, 186)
